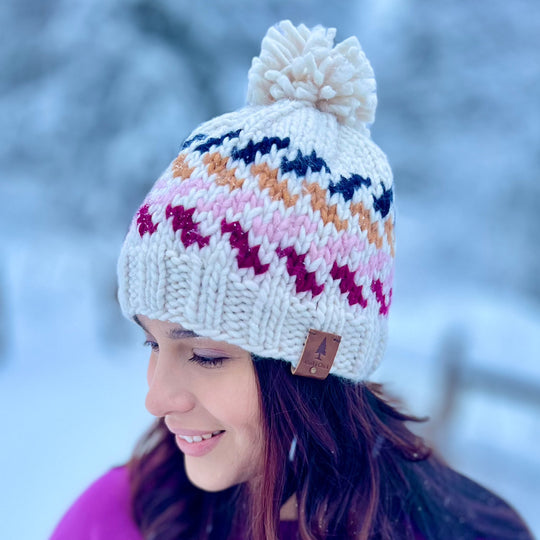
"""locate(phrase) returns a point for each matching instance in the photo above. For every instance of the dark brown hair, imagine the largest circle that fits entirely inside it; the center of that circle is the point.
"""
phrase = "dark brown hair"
(357, 471)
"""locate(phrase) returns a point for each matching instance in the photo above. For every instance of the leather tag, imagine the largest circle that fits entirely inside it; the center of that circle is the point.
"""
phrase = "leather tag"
(318, 355)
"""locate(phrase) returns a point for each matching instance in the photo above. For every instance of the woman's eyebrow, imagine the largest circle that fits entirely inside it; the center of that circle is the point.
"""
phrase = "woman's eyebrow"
(181, 333)
(138, 321)
(174, 333)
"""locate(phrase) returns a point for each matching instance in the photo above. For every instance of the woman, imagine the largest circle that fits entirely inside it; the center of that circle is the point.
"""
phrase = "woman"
(260, 268)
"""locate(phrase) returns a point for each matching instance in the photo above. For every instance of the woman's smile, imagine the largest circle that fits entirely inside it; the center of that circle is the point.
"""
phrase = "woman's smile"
(193, 442)
(199, 438)
(200, 447)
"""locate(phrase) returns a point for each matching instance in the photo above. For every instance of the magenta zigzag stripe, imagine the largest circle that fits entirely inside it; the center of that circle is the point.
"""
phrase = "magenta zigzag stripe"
(278, 228)
(377, 288)
(144, 221)
(305, 281)
(347, 285)
(249, 256)
(183, 220)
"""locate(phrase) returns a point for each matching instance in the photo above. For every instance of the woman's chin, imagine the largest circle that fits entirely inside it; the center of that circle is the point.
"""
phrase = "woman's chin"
(208, 480)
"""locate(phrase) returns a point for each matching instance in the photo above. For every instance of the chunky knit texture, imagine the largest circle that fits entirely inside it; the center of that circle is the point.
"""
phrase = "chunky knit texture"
(276, 218)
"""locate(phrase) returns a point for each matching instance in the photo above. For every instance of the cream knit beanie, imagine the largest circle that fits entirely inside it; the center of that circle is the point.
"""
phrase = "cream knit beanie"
(277, 218)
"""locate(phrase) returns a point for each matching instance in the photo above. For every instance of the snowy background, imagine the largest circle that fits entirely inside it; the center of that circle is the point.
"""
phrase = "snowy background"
(95, 98)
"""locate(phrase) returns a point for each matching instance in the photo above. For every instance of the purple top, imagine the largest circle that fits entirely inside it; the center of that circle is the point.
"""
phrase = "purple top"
(103, 512)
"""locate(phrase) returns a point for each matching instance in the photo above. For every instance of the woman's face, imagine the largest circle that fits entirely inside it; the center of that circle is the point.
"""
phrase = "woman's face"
(208, 395)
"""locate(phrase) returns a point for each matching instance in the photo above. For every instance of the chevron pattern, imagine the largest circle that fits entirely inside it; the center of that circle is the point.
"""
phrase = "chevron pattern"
(221, 171)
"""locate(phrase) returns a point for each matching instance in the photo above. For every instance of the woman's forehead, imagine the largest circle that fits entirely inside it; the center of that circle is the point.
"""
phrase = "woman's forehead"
(175, 331)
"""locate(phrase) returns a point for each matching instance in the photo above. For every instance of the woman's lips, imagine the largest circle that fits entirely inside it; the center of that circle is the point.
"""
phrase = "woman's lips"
(198, 448)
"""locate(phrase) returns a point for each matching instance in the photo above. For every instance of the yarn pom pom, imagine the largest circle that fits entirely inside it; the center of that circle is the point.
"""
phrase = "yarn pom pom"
(300, 64)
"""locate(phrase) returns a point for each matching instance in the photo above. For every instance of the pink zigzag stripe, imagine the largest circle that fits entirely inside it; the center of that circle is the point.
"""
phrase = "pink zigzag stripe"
(279, 227)
(334, 250)
(183, 188)
(161, 182)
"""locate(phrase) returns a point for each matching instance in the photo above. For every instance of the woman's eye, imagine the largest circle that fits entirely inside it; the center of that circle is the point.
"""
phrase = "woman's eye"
(207, 362)
(152, 344)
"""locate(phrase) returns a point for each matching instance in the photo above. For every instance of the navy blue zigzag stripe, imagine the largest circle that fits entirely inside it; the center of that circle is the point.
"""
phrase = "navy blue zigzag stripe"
(348, 186)
(205, 146)
(248, 153)
(383, 203)
(300, 164)
(198, 137)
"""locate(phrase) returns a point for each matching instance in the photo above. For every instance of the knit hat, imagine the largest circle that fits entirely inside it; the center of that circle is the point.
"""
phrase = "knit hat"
(277, 218)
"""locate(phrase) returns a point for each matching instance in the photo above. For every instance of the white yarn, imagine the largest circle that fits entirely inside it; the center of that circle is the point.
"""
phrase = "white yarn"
(300, 64)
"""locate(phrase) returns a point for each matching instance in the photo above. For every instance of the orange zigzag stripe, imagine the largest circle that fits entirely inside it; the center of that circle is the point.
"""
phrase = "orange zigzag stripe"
(268, 178)
(181, 169)
(318, 202)
(217, 164)
(277, 190)
(389, 230)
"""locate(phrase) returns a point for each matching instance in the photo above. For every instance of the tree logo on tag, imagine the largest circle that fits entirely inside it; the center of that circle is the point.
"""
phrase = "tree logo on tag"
(321, 351)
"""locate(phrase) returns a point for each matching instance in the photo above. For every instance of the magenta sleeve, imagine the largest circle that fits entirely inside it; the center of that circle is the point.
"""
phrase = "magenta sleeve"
(102, 512)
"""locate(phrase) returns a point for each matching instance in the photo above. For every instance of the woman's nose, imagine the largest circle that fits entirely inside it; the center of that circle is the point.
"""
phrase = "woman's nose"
(168, 388)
